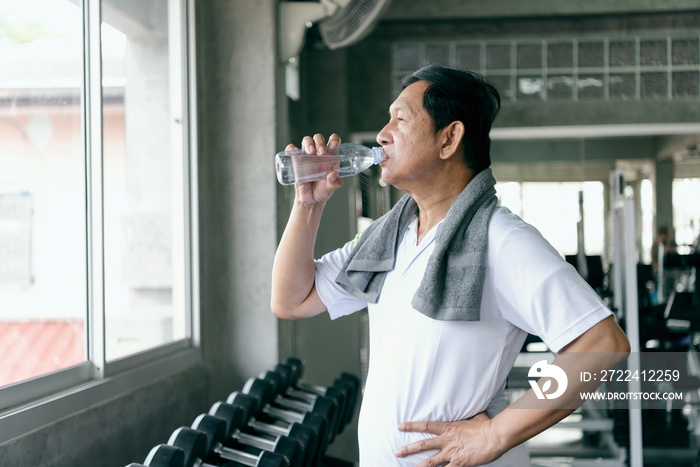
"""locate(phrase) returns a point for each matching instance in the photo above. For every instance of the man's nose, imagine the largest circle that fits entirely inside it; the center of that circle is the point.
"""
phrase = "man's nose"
(383, 137)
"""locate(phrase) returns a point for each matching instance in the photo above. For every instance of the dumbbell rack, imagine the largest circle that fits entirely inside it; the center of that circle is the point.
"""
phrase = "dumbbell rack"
(275, 420)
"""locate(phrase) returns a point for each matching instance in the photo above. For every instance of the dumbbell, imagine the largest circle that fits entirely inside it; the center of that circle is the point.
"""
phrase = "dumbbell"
(261, 392)
(163, 455)
(353, 381)
(324, 406)
(264, 390)
(240, 437)
(283, 384)
(340, 390)
(305, 435)
(330, 407)
(202, 449)
(258, 408)
(297, 368)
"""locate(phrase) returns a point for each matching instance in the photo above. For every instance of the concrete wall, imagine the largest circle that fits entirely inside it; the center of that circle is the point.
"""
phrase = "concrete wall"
(238, 128)
(116, 432)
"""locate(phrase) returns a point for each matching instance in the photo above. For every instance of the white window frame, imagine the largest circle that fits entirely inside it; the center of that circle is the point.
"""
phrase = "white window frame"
(28, 405)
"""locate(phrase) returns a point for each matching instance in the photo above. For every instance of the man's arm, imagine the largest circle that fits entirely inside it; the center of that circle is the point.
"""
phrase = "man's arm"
(481, 440)
(294, 295)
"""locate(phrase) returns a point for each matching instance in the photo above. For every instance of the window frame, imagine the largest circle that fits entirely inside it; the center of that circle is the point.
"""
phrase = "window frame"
(30, 404)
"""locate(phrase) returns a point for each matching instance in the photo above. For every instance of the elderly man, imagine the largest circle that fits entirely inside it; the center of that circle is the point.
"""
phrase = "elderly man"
(453, 284)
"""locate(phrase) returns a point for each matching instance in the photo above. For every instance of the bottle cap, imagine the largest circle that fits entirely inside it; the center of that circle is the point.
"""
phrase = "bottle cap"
(378, 154)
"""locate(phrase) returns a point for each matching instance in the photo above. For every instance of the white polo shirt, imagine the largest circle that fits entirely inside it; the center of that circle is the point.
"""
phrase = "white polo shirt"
(423, 369)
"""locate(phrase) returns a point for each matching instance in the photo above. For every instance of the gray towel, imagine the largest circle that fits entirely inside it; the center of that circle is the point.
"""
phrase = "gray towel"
(454, 277)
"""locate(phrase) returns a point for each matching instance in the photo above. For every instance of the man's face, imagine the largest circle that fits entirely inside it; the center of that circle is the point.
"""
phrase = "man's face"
(409, 140)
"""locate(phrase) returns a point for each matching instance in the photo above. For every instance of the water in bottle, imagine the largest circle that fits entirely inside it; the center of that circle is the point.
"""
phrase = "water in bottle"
(348, 159)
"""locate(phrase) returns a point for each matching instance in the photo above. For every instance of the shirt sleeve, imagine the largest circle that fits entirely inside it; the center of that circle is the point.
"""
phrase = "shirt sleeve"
(539, 292)
(337, 300)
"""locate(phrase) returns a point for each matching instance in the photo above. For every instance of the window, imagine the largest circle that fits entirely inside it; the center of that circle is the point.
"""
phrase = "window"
(686, 213)
(143, 260)
(43, 287)
(646, 194)
(96, 194)
(638, 68)
(553, 208)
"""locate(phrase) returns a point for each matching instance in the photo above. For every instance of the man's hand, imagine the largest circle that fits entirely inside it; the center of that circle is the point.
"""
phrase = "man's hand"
(319, 192)
(463, 443)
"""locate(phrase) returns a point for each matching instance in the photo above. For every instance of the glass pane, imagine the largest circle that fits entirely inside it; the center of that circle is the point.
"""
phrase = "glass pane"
(653, 53)
(529, 56)
(397, 88)
(498, 57)
(622, 86)
(530, 88)
(508, 194)
(554, 209)
(438, 54)
(560, 55)
(653, 85)
(590, 86)
(590, 54)
(560, 87)
(468, 57)
(686, 211)
(685, 52)
(140, 211)
(406, 57)
(622, 53)
(502, 83)
(42, 190)
(685, 84)
(646, 200)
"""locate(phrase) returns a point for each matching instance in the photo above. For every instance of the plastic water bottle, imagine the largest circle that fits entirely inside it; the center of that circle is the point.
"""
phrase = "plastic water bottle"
(348, 159)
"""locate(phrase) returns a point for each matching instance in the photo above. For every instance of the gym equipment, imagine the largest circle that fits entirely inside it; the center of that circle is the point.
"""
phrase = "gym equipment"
(343, 389)
(625, 284)
(163, 455)
(271, 403)
(193, 444)
(202, 449)
(235, 438)
(331, 406)
(283, 378)
(297, 368)
(305, 435)
(324, 406)
(259, 407)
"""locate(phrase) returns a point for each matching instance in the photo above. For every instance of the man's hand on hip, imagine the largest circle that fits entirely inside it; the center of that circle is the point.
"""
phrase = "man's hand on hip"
(462, 443)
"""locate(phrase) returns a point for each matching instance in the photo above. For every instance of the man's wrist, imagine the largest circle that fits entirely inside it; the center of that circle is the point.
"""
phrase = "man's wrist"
(502, 438)
(308, 214)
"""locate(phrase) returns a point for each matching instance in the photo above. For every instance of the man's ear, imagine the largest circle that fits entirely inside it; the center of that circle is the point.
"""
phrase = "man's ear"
(452, 136)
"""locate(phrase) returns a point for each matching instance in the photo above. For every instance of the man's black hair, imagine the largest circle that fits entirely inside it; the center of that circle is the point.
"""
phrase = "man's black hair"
(465, 96)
